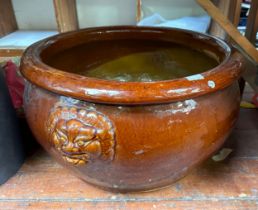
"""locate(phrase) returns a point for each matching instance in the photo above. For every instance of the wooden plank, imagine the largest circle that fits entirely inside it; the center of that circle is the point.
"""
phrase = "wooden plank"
(45, 181)
(7, 18)
(11, 52)
(138, 205)
(231, 30)
(234, 11)
(139, 10)
(252, 22)
(66, 15)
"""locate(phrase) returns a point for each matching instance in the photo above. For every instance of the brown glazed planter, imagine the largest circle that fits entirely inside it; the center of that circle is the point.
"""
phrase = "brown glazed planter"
(129, 136)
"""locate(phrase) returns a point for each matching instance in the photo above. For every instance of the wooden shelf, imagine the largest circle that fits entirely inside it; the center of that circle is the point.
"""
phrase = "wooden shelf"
(7, 19)
(67, 20)
(66, 17)
(10, 52)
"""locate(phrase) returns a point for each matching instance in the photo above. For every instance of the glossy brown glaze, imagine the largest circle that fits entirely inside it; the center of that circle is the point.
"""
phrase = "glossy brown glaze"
(37, 71)
(131, 136)
(81, 135)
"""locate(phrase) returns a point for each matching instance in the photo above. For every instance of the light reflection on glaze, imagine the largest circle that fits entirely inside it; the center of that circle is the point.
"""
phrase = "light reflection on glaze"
(211, 84)
(196, 90)
(96, 92)
(181, 90)
(184, 90)
(179, 107)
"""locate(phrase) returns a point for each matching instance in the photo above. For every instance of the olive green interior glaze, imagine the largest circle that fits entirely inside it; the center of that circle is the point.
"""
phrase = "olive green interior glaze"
(132, 60)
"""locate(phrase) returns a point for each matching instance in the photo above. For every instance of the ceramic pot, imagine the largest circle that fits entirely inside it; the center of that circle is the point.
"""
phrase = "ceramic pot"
(129, 136)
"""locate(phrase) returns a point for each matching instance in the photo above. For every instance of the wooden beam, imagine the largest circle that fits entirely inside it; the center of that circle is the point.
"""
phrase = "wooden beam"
(11, 52)
(252, 22)
(8, 22)
(139, 11)
(66, 15)
(234, 11)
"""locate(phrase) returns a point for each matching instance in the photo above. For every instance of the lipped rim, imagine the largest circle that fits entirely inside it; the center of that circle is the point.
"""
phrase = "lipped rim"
(115, 92)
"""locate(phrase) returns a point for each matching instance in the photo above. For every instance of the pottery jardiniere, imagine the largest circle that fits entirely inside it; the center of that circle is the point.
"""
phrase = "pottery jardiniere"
(129, 135)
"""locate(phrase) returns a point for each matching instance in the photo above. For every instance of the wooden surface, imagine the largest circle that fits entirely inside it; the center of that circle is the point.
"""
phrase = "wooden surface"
(66, 15)
(41, 183)
(7, 19)
(11, 52)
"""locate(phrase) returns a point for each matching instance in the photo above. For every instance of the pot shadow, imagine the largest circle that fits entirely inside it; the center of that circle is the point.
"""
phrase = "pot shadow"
(31, 146)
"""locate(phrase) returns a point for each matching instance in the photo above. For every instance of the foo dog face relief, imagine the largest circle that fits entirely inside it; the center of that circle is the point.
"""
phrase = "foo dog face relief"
(81, 135)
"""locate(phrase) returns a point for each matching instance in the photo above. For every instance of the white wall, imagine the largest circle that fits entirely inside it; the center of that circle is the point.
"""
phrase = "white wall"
(106, 12)
(35, 14)
(171, 9)
(39, 14)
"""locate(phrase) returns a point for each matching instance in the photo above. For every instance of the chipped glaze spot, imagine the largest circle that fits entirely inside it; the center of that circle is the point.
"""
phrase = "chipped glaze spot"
(139, 152)
(211, 84)
(195, 77)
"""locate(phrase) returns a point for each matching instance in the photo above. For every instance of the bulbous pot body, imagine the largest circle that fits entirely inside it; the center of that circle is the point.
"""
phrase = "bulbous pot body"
(130, 136)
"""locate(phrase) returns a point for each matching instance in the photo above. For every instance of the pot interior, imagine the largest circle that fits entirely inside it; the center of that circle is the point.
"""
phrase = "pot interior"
(141, 56)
